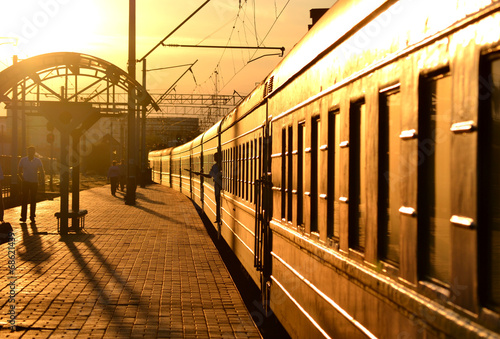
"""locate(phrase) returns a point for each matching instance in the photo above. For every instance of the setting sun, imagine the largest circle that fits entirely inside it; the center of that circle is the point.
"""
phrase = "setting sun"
(48, 26)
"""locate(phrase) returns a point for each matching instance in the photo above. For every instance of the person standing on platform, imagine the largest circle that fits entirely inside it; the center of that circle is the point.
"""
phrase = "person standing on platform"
(28, 170)
(123, 175)
(114, 176)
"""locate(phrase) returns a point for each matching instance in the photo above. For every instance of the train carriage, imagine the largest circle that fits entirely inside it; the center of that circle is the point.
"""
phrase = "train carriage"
(241, 138)
(362, 177)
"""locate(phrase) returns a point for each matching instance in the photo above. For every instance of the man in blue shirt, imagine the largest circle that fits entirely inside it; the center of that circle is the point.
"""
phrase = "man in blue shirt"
(28, 170)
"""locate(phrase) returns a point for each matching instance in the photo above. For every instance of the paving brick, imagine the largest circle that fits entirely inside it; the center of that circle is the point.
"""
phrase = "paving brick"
(143, 271)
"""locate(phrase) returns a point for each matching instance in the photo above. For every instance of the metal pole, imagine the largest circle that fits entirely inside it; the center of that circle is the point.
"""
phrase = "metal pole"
(23, 119)
(64, 182)
(75, 183)
(14, 151)
(51, 166)
(138, 154)
(143, 125)
(131, 166)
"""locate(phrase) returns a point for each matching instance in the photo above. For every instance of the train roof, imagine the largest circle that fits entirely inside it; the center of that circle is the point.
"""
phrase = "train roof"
(344, 17)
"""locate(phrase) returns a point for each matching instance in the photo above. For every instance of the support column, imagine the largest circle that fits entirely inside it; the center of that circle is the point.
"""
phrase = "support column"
(64, 183)
(144, 156)
(75, 182)
(131, 163)
(14, 189)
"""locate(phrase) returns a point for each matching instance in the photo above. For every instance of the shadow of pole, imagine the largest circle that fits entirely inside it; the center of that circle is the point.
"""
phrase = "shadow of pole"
(110, 306)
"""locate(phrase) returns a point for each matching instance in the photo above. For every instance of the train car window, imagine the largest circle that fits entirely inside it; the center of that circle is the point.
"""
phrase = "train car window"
(250, 194)
(259, 168)
(433, 178)
(238, 170)
(228, 170)
(256, 167)
(357, 176)
(489, 181)
(315, 158)
(224, 170)
(243, 172)
(332, 218)
(247, 176)
(232, 170)
(283, 174)
(300, 173)
(241, 168)
(290, 174)
(389, 175)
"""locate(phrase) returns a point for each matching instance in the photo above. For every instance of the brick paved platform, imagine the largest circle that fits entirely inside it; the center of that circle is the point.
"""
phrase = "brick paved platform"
(149, 270)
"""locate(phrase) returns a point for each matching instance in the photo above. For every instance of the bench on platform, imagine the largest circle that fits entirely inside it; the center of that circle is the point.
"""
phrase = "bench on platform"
(71, 214)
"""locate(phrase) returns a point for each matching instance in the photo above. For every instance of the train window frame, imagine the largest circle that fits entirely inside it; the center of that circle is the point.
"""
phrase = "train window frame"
(387, 179)
(234, 166)
(240, 170)
(225, 170)
(426, 176)
(301, 130)
(333, 180)
(244, 170)
(252, 164)
(487, 182)
(314, 167)
(289, 214)
(247, 173)
(357, 151)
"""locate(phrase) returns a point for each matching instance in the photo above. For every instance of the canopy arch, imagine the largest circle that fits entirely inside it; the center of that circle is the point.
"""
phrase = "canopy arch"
(70, 77)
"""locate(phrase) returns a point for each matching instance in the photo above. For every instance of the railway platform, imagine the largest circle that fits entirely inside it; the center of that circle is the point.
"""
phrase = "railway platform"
(144, 271)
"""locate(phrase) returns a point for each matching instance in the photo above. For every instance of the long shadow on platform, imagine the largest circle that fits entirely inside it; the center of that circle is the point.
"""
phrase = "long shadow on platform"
(142, 197)
(109, 306)
(32, 242)
(156, 214)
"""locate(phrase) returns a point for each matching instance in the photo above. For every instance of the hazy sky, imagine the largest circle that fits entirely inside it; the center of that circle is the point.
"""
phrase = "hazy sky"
(100, 28)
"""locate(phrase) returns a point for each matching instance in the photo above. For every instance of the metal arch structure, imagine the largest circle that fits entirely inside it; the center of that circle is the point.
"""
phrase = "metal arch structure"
(101, 79)
(73, 91)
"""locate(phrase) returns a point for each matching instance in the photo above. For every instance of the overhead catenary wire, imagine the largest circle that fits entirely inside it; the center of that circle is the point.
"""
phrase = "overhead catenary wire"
(259, 43)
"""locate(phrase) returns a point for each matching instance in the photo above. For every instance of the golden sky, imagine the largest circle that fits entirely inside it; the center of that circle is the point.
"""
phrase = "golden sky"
(100, 28)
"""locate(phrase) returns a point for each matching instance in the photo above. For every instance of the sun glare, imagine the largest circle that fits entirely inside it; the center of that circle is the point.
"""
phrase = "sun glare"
(37, 27)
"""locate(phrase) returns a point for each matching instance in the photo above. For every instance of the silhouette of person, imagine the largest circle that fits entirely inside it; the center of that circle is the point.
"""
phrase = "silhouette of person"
(123, 175)
(28, 170)
(216, 174)
(114, 176)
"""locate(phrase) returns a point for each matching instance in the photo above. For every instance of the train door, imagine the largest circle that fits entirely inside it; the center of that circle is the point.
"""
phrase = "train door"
(263, 210)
